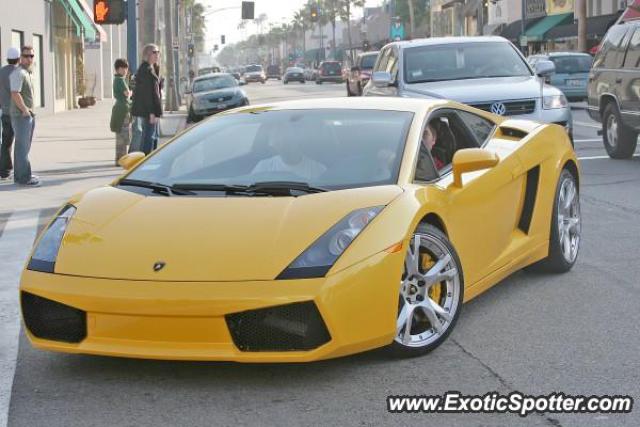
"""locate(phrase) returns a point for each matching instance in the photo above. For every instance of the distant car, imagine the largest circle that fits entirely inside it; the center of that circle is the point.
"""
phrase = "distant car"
(488, 73)
(273, 72)
(613, 91)
(310, 73)
(214, 93)
(358, 76)
(294, 74)
(208, 70)
(254, 73)
(329, 71)
(572, 72)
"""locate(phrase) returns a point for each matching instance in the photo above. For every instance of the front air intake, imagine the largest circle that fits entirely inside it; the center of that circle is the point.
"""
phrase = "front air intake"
(291, 327)
(50, 320)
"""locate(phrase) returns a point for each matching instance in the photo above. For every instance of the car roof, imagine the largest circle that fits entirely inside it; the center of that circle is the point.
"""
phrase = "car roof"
(208, 76)
(413, 105)
(433, 41)
(369, 53)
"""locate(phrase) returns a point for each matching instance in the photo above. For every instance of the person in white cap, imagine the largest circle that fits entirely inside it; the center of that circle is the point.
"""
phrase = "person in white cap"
(6, 130)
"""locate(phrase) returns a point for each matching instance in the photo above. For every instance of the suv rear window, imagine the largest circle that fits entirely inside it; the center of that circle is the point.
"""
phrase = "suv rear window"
(572, 64)
(368, 61)
(254, 68)
(331, 66)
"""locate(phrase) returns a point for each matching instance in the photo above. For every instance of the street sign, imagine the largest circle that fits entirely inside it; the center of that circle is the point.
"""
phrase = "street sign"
(397, 31)
(523, 41)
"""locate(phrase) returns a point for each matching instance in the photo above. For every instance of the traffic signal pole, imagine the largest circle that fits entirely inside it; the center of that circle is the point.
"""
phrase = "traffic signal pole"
(132, 35)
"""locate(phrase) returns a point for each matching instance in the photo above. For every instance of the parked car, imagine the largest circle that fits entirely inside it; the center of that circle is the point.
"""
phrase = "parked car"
(359, 75)
(614, 91)
(293, 74)
(329, 71)
(254, 73)
(214, 93)
(572, 72)
(208, 70)
(488, 73)
(273, 72)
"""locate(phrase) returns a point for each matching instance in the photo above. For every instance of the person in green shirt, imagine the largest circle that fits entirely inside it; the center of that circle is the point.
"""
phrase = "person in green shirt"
(120, 118)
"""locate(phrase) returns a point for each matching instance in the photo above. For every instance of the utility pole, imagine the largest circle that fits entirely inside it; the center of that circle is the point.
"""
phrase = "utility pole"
(412, 18)
(172, 99)
(581, 13)
(132, 35)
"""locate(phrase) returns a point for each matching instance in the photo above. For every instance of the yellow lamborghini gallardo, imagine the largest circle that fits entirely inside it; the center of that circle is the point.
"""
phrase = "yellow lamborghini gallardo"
(304, 230)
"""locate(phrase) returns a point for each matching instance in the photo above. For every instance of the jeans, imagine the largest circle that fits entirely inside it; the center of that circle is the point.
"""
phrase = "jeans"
(122, 139)
(6, 130)
(144, 135)
(23, 128)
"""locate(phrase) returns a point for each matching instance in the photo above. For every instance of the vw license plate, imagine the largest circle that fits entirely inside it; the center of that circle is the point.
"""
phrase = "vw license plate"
(221, 106)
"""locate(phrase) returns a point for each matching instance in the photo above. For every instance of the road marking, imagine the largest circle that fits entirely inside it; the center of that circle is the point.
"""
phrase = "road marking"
(588, 140)
(15, 244)
(600, 157)
(589, 125)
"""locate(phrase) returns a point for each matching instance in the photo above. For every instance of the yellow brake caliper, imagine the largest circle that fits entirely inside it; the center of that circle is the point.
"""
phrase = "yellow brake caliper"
(435, 292)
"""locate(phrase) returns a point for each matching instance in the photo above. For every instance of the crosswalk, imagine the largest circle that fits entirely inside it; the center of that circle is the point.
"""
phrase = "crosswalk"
(17, 232)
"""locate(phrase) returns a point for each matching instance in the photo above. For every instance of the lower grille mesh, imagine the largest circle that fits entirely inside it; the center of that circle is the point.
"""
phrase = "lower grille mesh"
(291, 327)
(50, 320)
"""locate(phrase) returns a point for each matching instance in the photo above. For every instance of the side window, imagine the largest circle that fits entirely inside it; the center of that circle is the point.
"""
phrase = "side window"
(381, 65)
(392, 64)
(439, 141)
(480, 127)
(610, 55)
(633, 51)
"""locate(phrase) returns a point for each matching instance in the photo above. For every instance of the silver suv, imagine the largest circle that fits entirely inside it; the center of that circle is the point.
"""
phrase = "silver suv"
(488, 73)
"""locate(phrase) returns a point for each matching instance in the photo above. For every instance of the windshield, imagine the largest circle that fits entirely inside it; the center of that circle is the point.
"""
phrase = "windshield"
(331, 149)
(572, 64)
(331, 66)
(294, 70)
(253, 68)
(214, 83)
(368, 61)
(462, 61)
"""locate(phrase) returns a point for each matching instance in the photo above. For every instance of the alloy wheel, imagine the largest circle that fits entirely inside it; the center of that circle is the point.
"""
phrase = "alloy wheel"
(612, 130)
(429, 292)
(569, 221)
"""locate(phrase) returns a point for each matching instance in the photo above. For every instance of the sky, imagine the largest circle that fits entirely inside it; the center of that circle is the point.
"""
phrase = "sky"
(226, 21)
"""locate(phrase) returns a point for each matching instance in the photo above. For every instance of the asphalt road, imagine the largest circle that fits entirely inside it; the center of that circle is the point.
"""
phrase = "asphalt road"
(574, 333)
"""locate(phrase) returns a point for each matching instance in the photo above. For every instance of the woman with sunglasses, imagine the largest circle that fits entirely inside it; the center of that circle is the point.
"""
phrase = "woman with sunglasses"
(147, 104)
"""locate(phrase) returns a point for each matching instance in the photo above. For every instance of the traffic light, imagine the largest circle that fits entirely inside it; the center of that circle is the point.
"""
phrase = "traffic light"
(248, 9)
(222, 39)
(190, 50)
(313, 13)
(365, 45)
(215, 47)
(107, 12)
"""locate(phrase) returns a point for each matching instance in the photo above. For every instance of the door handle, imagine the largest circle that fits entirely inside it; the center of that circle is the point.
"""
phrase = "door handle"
(619, 80)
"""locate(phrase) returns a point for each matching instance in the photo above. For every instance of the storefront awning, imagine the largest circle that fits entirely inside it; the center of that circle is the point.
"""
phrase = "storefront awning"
(513, 30)
(83, 22)
(597, 27)
(537, 32)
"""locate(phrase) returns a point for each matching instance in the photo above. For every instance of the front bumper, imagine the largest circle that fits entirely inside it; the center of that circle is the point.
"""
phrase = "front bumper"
(334, 79)
(559, 116)
(215, 108)
(254, 79)
(189, 320)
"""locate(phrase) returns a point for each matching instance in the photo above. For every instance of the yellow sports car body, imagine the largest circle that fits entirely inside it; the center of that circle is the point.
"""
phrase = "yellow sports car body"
(304, 230)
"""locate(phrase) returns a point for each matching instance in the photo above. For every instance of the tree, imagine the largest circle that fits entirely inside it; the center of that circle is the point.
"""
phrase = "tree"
(346, 7)
(300, 22)
(331, 10)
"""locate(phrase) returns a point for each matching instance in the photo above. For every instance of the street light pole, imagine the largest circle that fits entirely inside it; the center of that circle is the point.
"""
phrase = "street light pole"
(132, 35)
(172, 101)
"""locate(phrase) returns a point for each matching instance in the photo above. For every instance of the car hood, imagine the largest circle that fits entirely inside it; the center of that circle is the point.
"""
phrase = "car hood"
(118, 234)
(217, 93)
(481, 90)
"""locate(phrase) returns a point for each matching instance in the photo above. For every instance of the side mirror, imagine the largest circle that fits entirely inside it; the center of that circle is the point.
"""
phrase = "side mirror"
(470, 160)
(382, 79)
(128, 161)
(545, 68)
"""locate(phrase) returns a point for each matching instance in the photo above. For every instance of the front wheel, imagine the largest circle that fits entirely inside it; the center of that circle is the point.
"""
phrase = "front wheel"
(619, 140)
(431, 293)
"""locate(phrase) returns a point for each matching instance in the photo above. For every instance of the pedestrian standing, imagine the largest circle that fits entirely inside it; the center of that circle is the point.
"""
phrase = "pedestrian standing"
(147, 104)
(120, 119)
(23, 119)
(6, 130)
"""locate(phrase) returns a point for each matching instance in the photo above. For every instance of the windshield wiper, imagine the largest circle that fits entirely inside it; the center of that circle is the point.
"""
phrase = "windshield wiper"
(278, 187)
(196, 186)
(167, 190)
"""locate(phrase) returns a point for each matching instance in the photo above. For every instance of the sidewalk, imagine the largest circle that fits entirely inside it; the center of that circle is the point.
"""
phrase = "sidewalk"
(72, 151)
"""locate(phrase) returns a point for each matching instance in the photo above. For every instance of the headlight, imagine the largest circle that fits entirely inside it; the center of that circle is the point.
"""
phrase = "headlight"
(317, 259)
(46, 252)
(554, 101)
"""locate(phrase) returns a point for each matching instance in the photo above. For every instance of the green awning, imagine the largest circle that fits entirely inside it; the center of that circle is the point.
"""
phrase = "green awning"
(83, 22)
(537, 31)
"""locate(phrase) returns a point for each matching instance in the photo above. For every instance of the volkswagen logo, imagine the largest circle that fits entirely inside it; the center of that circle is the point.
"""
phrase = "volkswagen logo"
(220, 99)
(498, 108)
(159, 266)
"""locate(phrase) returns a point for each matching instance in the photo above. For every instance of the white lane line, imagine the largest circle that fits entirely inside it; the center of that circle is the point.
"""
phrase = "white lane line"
(588, 140)
(15, 245)
(600, 157)
(589, 125)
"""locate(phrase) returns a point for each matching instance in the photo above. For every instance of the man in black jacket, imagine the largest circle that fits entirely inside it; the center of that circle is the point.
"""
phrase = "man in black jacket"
(147, 103)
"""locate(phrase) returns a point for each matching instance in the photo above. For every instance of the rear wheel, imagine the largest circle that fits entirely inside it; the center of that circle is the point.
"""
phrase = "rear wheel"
(619, 140)
(566, 227)
(431, 293)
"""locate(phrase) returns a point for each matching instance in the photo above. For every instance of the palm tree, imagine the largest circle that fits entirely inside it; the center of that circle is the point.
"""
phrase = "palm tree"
(331, 10)
(345, 14)
(300, 22)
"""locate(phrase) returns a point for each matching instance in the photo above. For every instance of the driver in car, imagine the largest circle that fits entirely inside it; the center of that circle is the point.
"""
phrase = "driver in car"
(289, 157)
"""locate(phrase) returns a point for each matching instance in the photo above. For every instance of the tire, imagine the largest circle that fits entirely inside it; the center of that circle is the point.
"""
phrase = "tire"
(561, 259)
(419, 298)
(619, 140)
(192, 117)
(318, 82)
(285, 82)
(302, 81)
(349, 93)
(262, 81)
